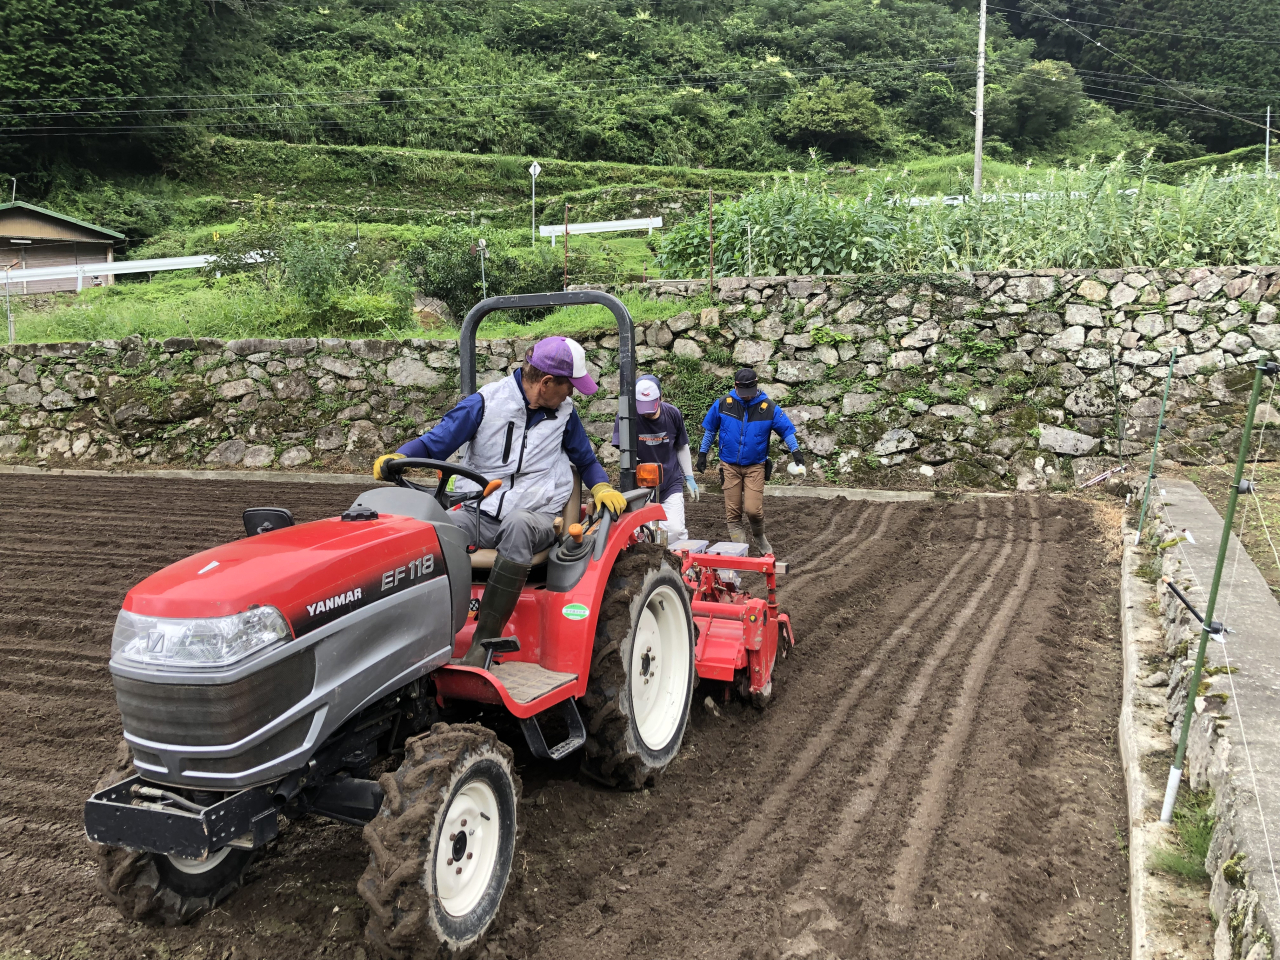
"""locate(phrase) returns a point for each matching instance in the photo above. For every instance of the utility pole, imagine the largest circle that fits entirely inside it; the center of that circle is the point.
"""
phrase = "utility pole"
(977, 113)
(566, 246)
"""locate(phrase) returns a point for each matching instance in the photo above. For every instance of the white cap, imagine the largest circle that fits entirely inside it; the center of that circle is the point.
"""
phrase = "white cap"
(648, 394)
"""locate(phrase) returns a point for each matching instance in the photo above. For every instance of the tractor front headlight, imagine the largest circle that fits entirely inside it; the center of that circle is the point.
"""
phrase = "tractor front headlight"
(196, 642)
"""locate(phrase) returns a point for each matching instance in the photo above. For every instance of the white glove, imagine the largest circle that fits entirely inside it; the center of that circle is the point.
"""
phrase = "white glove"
(796, 469)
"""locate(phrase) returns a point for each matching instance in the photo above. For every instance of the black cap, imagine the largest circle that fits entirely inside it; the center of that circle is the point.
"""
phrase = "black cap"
(745, 377)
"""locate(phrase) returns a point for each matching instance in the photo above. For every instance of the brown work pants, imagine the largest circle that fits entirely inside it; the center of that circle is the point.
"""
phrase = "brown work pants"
(743, 492)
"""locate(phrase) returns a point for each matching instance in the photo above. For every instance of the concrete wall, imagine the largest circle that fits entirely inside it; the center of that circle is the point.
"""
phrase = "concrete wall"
(1244, 899)
(999, 379)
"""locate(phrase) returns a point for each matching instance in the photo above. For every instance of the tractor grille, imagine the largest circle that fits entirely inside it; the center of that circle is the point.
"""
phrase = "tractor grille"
(211, 715)
(290, 738)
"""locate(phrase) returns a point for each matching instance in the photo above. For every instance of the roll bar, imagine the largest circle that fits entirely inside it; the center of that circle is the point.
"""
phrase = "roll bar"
(627, 423)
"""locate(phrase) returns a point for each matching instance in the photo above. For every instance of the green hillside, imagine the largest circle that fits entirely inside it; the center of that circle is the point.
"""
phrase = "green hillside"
(369, 145)
(739, 84)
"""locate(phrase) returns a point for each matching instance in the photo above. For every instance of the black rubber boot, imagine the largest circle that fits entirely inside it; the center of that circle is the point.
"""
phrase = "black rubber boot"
(757, 531)
(506, 580)
(737, 533)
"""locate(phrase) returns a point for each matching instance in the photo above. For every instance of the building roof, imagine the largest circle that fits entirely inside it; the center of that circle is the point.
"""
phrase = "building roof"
(18, 207)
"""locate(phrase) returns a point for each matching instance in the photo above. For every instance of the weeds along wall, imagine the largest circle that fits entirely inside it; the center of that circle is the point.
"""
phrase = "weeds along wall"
(998, 379)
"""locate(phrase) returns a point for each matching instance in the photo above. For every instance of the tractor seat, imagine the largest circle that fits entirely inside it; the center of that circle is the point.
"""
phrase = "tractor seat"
(483, 559)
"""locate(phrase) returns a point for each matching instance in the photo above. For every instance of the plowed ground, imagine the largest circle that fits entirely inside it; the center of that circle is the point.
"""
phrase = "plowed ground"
(936, 775)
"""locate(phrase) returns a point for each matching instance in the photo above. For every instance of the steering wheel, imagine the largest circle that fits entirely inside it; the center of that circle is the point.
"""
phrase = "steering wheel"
(394, 470)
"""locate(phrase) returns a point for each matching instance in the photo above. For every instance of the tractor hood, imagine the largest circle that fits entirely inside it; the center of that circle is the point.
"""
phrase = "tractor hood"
(312, 573)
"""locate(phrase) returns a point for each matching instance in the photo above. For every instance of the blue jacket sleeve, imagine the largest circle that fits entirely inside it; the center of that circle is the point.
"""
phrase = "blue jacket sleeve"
(578, 447)
(443, 440)
(785, 429)
(710, 427)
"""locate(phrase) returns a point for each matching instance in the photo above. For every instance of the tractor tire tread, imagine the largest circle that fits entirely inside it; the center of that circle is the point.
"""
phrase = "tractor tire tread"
(131, 880)
(401, 924)
(610, 757)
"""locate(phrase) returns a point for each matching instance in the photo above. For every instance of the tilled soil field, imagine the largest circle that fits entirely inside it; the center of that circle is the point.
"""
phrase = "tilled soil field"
(936, 775)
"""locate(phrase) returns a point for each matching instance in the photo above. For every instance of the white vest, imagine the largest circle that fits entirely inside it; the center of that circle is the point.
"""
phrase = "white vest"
(532, 464)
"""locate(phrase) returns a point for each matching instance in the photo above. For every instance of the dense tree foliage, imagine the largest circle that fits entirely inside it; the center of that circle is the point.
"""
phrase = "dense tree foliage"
(1218, 58)
(747, 84)
(68, 68)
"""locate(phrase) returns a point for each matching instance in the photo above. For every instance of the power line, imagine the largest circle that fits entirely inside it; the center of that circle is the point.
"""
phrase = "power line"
(695, 77)
(1115, 26)
(1124, 8)
(1147, 72)
(275, 123)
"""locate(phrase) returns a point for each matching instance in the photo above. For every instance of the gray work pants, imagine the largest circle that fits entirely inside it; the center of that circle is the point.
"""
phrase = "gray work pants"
(517, 536)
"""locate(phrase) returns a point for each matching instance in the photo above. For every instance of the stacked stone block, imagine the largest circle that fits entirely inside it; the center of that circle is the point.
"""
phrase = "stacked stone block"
(997, 379)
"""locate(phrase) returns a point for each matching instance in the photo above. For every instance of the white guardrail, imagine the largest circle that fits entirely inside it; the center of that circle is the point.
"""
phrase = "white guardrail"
(82, 270)
(603, 226)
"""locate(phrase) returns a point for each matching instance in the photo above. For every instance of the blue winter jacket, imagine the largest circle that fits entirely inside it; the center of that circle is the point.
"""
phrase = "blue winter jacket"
(744, 429)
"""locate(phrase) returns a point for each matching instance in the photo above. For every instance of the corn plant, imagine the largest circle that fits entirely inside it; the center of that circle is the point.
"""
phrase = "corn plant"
(1097, 215)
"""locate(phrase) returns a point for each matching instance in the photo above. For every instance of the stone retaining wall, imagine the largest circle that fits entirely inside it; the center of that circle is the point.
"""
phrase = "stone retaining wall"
(999, 379)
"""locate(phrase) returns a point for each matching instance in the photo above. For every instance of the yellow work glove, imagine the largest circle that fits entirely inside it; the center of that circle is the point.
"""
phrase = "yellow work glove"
(609, 499)
(378, 464)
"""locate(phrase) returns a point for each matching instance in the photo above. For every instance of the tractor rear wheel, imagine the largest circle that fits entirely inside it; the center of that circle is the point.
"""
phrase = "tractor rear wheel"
(159, 888)
(642, 673)
(442, 845)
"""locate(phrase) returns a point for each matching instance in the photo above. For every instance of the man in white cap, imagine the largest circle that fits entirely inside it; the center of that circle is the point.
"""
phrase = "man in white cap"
(524, 431)
(663, 440)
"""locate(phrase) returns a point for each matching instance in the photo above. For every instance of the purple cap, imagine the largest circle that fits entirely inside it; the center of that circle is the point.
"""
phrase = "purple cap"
(562, 357)
(648, 394)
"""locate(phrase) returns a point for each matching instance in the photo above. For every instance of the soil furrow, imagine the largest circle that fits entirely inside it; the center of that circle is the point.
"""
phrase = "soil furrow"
(933, 790)
(974, 749)
(804, 760)
(882, 764)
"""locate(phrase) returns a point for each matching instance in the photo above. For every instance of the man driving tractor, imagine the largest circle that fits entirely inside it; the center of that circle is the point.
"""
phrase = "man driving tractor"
(524, 431)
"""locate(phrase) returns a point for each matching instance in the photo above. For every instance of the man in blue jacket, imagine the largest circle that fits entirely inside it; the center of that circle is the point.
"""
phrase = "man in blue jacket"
(744, 422)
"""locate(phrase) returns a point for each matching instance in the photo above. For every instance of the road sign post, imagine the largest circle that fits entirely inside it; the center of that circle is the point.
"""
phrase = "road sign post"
(534, 169)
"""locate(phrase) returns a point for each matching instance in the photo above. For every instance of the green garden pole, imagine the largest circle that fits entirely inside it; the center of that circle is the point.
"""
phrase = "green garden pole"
(1175, 772)
(1115, 384)
(1155, 449)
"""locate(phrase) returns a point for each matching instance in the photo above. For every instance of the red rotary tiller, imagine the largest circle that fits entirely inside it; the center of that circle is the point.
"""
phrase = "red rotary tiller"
(740, 637)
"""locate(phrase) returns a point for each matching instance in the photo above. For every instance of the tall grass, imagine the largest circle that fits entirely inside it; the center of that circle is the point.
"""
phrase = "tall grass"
(186, 307)
(172, 306)
(1189, 845)
(1095, 215)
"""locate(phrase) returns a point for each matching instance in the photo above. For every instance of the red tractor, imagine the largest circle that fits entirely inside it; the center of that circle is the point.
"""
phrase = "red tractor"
(312, 669)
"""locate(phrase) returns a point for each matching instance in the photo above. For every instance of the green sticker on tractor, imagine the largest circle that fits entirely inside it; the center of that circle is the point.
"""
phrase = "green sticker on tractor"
(575, 611)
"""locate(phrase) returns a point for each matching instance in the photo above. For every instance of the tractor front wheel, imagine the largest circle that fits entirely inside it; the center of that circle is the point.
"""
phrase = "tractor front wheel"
(642, 672)
(442, 845)
(159, 888)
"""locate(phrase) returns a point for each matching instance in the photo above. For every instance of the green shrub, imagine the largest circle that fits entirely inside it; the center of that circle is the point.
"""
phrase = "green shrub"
(443, 265)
